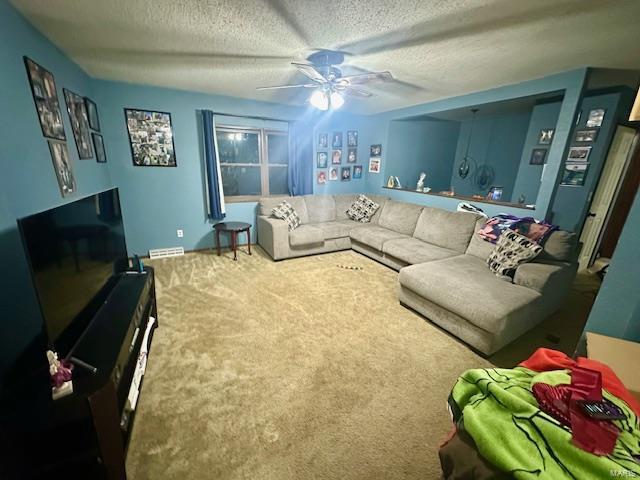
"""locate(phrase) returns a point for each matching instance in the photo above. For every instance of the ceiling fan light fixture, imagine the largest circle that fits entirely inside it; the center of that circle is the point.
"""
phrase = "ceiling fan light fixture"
(337, 100)
(319, 99)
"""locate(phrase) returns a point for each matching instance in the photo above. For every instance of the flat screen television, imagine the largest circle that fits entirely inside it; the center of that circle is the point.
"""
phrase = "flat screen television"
(74, 252)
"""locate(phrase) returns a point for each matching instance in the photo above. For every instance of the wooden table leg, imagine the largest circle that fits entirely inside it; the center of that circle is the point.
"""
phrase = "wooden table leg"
(218, 241)
(249, 239)
(233, 244)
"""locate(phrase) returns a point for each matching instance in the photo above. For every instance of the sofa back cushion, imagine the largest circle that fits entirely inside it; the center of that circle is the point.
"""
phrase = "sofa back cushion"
(400, 217)
(446, 229)
(343, 202)
(320, 208)
(380, 200)
(477, 246)
(266, 204)
(560, 246)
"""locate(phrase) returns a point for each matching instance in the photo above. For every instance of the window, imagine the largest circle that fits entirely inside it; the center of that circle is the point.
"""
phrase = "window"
(253, 162)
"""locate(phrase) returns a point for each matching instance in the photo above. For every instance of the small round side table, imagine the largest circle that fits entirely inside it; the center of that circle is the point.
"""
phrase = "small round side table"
(233, 228)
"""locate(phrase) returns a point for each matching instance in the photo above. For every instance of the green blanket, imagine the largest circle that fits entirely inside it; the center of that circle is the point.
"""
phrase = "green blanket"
(502, 415)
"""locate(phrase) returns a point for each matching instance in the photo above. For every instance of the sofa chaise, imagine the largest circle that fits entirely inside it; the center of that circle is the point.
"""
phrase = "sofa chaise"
(441, 260)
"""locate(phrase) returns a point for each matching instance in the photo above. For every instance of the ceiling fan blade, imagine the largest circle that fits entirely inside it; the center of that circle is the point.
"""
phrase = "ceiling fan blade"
(305, 85)
(310, 71)
(357, 92)
(362, 78)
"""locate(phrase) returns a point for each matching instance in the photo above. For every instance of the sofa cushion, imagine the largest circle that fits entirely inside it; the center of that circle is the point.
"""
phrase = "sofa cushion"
(411, 250)
(477, 246)
(400, 217)
(337, 229)
(446, 229)
(320, 208)
(560, 246)
(306, 235)
(286, 212)
(343, 202)
(298, 203)
(380, 200)
(362, 209)
(465, 286)
(511, 251)
(374, 236)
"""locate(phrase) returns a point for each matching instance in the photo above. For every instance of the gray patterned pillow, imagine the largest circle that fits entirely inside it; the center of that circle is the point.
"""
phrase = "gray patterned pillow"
(362, 209)
(511, 251)
(286, 212)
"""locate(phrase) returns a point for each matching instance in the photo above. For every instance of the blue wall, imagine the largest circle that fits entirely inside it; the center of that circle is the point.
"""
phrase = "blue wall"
(527, 184)
(28, 183)
(417, 146)
(616, 311)
(497, 141)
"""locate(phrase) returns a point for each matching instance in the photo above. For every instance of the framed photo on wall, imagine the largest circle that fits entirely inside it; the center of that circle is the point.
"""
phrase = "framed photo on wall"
(574, 174)
(150, 138)
(579, 154)
(538, 156)
(333, 173)
(62, 167)
(352, 138)
(345, 175)
(322, 177)
(79, 123)
(92, 114)
(336, 140)
(587, 135)
(596, 117)
(45, 97)
(98, 147)
(374, 164)
(352, 155)
(357, 172)
(376, 150)
(322, 158)
(336, 157)
(546, 136)
(323, 140)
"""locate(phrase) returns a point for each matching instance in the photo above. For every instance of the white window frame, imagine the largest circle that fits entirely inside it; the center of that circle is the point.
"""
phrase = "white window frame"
(263, 159)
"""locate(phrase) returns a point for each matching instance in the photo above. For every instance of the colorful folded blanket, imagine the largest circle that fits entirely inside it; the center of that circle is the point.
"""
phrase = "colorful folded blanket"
(510, 431)
(531, 228)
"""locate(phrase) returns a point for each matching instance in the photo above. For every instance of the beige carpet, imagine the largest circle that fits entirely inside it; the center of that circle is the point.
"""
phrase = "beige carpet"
(292, 370)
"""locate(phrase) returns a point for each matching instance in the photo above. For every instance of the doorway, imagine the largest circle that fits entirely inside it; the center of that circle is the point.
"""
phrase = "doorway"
(612, 200)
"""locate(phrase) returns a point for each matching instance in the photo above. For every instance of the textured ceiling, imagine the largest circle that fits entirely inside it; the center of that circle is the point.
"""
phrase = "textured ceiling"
(435, 48)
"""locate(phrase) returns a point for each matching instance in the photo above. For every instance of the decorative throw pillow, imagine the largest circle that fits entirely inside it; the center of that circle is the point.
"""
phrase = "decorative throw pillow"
(511, 251)
(362, 209)
(286, 212)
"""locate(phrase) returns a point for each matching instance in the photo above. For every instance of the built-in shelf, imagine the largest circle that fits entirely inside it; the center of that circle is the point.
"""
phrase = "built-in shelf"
(467, 198)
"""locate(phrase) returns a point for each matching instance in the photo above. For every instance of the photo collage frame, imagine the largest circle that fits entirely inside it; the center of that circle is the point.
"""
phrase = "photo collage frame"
(337, 157)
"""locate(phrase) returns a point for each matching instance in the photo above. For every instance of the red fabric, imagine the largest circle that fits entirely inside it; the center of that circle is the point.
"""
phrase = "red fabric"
(561, 402)
(545, 359)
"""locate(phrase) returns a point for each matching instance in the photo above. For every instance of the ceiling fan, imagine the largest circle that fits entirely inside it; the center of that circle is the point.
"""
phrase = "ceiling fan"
(327, 81)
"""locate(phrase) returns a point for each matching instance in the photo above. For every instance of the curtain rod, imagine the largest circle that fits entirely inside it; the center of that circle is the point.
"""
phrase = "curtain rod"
(272, 119)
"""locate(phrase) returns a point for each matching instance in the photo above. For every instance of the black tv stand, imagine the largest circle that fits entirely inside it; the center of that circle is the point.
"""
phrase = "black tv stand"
(86, 434)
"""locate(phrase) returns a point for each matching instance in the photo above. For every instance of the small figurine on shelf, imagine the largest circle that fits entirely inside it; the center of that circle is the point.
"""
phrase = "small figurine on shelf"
(391, 182)
(60, 372)
(420, 184)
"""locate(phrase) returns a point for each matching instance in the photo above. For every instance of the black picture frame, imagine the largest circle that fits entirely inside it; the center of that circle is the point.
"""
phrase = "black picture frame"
(323, 140)
(375, 150)
(357, 172)
(45, 98)
(352, 155)
(586, 135)
(143, 120)
(336, 140)
(352, 138)
(322, 159)
(62, 167)
(78, 117)
(98, 147)
(596, 117)
(345, 174)
(538, 156)
(336, 157)
(545, 137)
(92, 114)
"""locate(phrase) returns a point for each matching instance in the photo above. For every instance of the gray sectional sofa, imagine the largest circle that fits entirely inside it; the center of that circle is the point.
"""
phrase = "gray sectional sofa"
(443, 274)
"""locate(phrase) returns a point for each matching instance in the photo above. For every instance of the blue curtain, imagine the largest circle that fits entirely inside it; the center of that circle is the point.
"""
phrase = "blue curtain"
(300, 158)
(215, 195)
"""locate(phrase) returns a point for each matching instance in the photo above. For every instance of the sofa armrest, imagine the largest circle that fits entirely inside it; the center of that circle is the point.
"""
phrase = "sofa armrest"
(546, 277)
(273, 236)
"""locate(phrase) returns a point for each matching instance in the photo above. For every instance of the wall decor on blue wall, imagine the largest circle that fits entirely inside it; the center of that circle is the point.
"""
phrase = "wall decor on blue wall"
(596, 117)
(98, 146)
(345, 175)
(537, 156)
(322, 159)
(352, 155)
(323, 140)
(546, 136)
(376, 150)
(333, 173)
(45, 96)
(62, 167)
(336, 140)
(574, 174)
(352, 138)
(92, 113)
(79, 119)
(336, 157)
(587, 135)
(357, 172)
(150, 138)
(322, 177)
(579, 154)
